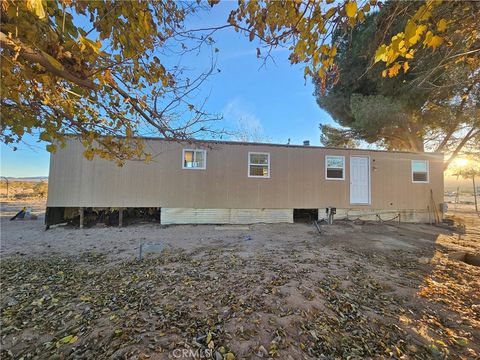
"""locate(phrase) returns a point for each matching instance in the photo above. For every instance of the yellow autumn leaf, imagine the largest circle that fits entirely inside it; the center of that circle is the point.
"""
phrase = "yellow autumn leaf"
(89, 154)
(324, 49)
(73, 339)
(380, 53)
(442, 25)
(405, 67)
(321, 73)
(410, 30)
(413, 32)
(393, 71)
(361, 16)
(36, 7)
(410, 54)
(94, 45)
(51, 148)
(423, 13)
(306, 71)
(45, 136)
(351, 9)
(330, 12)
(435, 42)
(333, 51)
(315, 58)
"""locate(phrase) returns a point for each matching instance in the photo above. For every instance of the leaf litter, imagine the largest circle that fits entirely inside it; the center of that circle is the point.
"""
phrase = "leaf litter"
(308, 300)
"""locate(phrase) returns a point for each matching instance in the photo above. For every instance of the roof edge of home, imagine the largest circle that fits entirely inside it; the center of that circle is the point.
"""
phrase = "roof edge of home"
(232, 142)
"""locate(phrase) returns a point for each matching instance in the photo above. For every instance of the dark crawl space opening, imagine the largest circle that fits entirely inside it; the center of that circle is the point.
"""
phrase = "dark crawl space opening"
(305, 215)
(105, 216)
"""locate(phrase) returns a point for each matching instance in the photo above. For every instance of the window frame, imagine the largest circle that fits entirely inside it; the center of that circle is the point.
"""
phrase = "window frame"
(412, 172)
(194, 157)
(343, 167)
(250, 163)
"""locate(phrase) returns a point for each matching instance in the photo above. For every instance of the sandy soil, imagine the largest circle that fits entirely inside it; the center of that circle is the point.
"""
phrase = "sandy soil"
(364, 290)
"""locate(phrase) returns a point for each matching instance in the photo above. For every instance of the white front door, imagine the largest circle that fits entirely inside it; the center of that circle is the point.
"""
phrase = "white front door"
(359, 180)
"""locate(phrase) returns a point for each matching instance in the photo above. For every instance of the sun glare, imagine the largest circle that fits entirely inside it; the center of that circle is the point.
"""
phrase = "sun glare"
(461, 162)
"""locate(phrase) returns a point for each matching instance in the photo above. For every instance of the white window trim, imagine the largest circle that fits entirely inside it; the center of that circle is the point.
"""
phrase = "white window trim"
(343, 168)
(194, 168)
(428, 172)
(249, 163)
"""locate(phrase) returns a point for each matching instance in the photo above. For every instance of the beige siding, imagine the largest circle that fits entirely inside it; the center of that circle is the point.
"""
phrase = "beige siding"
(297, 179)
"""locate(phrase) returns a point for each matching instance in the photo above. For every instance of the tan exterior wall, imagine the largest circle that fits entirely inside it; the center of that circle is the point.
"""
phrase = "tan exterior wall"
(297, 179)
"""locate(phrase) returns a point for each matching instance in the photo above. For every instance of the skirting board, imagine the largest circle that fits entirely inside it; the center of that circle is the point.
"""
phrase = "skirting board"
(225, 216)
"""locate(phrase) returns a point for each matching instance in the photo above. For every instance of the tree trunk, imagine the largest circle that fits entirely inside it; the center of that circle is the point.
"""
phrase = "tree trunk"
(475, 193)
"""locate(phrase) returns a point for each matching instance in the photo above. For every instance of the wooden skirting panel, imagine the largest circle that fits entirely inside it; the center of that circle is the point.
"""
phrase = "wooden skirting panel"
(225, 216)
(403, 215)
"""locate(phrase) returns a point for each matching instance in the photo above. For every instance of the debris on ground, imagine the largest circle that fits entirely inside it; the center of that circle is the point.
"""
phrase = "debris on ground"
(358, 291)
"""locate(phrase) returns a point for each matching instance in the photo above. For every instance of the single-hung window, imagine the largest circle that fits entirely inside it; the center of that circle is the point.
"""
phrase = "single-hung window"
(194, 159)
(258, 165)
(334, 167)
(420, 171)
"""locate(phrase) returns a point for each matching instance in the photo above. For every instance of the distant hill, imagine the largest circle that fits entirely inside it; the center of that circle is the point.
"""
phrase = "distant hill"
(30, 179)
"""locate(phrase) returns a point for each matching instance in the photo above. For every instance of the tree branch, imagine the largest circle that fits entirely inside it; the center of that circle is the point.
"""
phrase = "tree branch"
(34, 56)
(474, 131)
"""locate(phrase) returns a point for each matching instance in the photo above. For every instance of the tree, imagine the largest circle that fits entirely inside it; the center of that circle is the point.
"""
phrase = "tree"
(468, 168)
(110, 78)
(378, 106)
(334, 137)
(306, 28)
(99, 69)
(41, 189)
(249, 132)
(428, 44)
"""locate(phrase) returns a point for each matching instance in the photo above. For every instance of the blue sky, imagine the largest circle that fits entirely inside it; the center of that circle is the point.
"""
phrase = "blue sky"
(274, 101)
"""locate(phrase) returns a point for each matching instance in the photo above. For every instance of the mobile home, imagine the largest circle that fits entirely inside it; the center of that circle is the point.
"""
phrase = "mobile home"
(222, 182)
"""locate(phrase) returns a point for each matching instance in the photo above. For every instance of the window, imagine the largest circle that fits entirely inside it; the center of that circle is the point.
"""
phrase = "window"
(194, 159)
(420, 171)
(258, 165)
(334, 167)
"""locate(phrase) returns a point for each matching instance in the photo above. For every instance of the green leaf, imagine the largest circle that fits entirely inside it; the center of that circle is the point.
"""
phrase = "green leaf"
(70, 339)
(53, 61)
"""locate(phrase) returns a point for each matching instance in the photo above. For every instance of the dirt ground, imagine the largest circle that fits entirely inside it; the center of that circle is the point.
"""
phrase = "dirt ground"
(358, 290)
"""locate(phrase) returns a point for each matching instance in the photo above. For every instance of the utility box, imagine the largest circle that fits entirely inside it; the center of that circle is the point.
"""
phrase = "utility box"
(443, 207)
